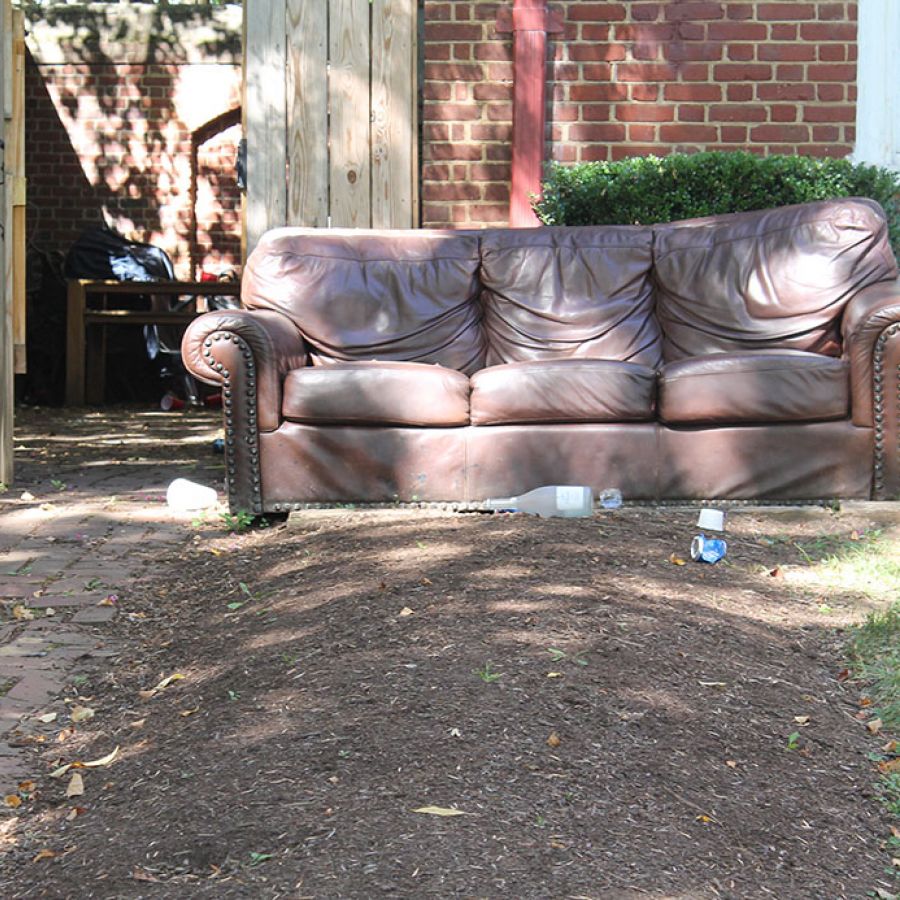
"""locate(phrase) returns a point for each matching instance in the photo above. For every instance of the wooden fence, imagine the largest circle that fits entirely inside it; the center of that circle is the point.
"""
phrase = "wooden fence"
(330, 99)
(12, 218)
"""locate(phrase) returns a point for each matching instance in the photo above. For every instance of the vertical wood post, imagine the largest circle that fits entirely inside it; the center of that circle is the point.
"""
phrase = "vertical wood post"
(15, 146)
(7, 395)
(530, 23)
(265, 116)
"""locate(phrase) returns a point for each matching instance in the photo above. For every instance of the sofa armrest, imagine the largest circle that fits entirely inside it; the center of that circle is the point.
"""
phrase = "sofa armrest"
(263, 342)
(871, 333)
(248, 353)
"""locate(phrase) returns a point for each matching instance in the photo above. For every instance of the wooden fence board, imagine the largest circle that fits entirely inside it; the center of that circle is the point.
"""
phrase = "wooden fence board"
(349, 134)
(307, 112)
(394, 86)
(265, 117)
(333, 140)
(15, 147)
(7, 394)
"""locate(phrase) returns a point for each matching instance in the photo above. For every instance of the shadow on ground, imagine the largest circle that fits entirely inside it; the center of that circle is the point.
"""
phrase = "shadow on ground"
(606, 722)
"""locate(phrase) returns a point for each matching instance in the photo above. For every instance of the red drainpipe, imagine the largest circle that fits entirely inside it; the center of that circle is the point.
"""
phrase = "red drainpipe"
(530, 21)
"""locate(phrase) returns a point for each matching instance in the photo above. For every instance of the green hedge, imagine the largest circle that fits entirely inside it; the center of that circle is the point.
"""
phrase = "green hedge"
(648, 189)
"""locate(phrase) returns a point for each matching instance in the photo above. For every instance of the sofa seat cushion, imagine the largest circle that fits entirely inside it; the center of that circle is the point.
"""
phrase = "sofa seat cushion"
(564, 390)
(766, 386)
(377, 393)
(552, 293)
(775, 279)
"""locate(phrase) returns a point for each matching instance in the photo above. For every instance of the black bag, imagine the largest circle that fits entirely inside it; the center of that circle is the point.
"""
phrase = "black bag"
(101, 253)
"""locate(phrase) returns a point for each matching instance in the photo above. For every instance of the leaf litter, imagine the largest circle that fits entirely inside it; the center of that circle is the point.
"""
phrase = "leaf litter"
(678, 721)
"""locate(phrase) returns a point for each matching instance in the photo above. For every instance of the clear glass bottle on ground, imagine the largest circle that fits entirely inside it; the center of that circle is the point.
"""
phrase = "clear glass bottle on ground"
(564, 500)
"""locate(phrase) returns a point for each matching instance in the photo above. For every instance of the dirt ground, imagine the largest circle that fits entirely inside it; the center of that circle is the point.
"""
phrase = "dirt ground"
(604, 721)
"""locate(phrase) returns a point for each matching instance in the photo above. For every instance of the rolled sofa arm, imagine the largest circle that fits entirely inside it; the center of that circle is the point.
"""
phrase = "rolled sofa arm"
(871, 333)
(248, 353)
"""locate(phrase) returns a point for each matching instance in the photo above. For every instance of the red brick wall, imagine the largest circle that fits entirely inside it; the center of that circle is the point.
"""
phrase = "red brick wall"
(632, 78)
(111, 141)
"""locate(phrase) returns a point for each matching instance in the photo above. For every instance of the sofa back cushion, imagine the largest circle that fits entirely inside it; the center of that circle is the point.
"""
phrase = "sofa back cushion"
(772, 279)
(386, 295)
(557, 292)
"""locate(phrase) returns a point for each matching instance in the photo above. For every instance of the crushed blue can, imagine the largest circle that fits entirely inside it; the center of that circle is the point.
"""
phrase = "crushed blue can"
(708, 550)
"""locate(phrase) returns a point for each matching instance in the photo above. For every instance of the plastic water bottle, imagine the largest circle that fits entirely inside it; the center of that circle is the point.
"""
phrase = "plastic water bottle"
(563, 500)
(610, 498)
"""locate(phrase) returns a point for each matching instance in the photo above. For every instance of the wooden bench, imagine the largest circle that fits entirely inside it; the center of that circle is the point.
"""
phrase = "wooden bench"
(91, 307)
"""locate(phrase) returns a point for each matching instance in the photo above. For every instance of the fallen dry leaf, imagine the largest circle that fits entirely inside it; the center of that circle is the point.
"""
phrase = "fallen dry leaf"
(677, 560)
(406, 611)
(47, 718)
(874, 726)
(146, 695)
(801, 720)
(94, 763)
(705, 819)
(65, 734)
(137, 724)
(43, 854)
(13, 801)
(439, 811)
(22, 613)
(426, 581)
(554, 674)
(732, 764)
(184, 714)
(27, 787)
(553, 740)
(865, 701)
(889, 766)
(776, 572)
(895, 832)
(75, 812)
(76, 786)
(81, 714)
(143, 875)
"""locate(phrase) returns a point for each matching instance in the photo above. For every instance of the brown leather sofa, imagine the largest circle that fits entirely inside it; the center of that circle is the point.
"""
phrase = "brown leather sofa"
(754, 355)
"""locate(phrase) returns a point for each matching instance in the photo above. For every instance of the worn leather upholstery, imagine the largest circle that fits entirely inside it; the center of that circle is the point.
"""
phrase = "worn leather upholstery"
(377, 393)
(563, 390)
(867, 317)
(763, 386)
(558, 292)
(392, 295)
(774, 279)
(752, 356)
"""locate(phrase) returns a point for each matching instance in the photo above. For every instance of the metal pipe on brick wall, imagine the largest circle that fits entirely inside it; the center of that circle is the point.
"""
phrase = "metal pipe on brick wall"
(529, 25)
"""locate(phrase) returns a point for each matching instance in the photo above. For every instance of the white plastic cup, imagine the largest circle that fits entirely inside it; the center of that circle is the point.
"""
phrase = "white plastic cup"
(711, 520)
(188, 495)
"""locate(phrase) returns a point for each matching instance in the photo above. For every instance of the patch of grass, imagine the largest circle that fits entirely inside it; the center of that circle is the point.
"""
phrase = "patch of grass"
(875, 659)
(890, 793)
(237, 522)
(486, 675)
(865, 563)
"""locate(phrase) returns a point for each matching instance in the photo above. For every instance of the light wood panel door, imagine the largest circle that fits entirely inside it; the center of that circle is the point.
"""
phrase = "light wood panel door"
(330, 114)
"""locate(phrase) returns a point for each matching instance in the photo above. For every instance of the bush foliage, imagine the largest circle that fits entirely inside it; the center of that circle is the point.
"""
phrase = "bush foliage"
(649, 189)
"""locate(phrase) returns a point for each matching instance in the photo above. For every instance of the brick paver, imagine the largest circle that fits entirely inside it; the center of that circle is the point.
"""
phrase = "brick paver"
(64, 551)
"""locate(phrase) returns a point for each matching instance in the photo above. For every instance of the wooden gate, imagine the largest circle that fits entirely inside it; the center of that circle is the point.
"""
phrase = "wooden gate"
(330, 98)
(12, 220)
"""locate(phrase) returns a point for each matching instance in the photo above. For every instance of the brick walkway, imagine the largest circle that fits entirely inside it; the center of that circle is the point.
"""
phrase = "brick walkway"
(85, 519)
